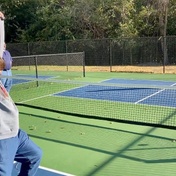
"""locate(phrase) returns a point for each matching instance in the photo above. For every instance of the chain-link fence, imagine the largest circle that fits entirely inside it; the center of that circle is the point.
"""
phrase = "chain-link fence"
(111, 54)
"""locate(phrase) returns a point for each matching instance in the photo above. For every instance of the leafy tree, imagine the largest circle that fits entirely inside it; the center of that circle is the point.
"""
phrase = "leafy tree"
(146, 20)
(39, 20)
(19, 15)
(127, 25)
(171, 24)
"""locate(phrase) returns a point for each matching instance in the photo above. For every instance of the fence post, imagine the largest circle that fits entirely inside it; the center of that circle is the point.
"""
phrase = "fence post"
(110, 55)
(84, 64)
(36, 70)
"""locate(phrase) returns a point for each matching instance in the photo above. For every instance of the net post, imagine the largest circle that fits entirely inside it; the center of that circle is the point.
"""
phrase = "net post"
(84, 71)
(67, 61)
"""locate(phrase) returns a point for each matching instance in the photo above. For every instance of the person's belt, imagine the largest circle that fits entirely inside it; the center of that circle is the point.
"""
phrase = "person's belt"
(6, 69)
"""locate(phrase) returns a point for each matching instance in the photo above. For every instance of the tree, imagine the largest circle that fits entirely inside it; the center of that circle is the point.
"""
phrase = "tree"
(127, 26)
(19, 15)
(36, 20)
(171, 25)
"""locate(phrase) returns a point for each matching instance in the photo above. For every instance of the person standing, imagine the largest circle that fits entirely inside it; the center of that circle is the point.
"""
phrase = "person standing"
(15, 144)
(7, 72)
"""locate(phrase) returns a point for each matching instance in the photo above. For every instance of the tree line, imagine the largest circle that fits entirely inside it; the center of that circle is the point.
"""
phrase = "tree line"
(50, 20)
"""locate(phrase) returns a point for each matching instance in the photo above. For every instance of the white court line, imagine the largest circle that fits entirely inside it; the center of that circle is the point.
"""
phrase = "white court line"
(48, 169)
(55, 171)
(152, 95)
(35, 98)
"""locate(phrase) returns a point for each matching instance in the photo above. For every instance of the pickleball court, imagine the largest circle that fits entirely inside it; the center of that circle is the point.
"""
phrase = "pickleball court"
(77, 138)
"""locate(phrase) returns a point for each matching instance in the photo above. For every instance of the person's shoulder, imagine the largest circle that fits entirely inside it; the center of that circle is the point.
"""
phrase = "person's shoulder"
(7, 51)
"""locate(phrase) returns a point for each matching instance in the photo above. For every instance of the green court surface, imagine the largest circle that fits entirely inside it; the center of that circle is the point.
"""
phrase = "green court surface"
(88, 147)
(97, 76)
(84, 137)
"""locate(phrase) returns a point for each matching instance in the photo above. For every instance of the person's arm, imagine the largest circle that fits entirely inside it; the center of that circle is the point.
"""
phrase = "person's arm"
(2, 65)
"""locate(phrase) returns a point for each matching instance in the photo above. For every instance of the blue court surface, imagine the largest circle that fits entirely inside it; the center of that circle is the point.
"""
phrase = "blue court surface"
(137, 95)
(28, 77)
(150, 96)
(33, 76)
(42, 171)
(146, 82)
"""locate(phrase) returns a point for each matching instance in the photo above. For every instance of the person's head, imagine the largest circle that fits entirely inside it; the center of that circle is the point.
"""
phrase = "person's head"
(2, 64)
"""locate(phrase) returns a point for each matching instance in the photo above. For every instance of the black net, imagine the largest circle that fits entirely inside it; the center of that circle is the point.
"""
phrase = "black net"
(125, 102)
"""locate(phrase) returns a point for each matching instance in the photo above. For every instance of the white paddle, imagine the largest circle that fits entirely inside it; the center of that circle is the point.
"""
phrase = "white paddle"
(1, 36)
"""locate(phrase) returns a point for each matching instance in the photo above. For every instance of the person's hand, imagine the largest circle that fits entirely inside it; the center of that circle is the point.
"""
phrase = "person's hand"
(2, 64)
(2, 16)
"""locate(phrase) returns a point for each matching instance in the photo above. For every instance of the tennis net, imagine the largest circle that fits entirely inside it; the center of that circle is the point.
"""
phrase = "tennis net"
(129, 103)
(61, 62)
